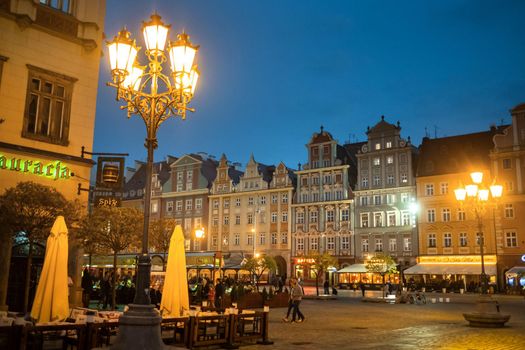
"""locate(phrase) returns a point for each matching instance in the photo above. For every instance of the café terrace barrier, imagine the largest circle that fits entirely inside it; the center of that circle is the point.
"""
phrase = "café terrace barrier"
(224, 330)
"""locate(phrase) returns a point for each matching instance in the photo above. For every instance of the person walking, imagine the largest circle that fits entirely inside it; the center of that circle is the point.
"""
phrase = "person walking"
(87, 287)
(296, 295)
(326, 287)
(290, 307)
(363, 288)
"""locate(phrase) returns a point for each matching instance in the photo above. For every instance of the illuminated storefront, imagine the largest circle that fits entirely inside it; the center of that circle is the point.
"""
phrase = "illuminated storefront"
(357, 273)
(464, 270)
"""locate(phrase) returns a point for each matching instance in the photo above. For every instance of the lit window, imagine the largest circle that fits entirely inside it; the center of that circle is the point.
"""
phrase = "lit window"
(404, 178)
(431, 215)
(48, 106)
(447, 240)
(330, 243)
(329, 216)
(511, 239)
(364, 245)
(407, 244)
(463, 239)
(388, 144)
(61, 5)
(444, 187)
(364, 219)
(314, 243)
(446, 215)
(377, 161)
(378, 146)
(379, 245)
(300, 243)
(378, 219)
(345, 243)
(390, 160)
(405, 218)
(392, 244)
(431, 240)
(509, 211)
(391, 218)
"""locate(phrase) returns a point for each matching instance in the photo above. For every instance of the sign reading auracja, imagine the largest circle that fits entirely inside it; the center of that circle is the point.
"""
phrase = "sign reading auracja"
(53, 170)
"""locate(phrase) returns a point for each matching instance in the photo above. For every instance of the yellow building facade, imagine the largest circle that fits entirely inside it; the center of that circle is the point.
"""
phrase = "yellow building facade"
(507, 161)
(448, 231)
(49, 62)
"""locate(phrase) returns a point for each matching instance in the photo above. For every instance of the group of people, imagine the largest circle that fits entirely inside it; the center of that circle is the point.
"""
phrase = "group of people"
(100, 286)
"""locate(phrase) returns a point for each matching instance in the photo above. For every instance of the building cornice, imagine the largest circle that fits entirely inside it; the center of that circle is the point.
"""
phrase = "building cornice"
(323, 169)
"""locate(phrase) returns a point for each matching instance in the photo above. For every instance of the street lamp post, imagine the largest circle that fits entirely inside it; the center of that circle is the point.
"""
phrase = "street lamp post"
(155, 97)
(477, 197)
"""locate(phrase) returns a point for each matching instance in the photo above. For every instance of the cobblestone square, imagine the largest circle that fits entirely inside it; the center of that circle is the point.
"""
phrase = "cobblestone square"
(349, 323)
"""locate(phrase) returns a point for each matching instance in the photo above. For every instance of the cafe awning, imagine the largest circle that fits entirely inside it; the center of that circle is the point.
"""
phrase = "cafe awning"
(516, 270)
(449, 269)
(355, 268)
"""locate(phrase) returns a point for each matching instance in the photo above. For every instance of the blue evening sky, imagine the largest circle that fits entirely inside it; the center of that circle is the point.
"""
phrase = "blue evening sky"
(273, 71)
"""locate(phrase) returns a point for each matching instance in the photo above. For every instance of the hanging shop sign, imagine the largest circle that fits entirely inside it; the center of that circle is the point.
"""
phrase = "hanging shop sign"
(55, 170)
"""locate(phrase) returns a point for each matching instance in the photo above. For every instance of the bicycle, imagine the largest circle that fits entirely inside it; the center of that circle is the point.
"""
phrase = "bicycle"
(417, 298)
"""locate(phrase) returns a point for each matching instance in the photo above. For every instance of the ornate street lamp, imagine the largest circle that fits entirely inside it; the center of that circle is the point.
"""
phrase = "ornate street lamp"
(476, 196)
(154, 96)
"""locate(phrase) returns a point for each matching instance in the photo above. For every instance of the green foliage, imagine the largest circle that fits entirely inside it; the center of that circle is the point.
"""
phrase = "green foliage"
(258, 266)
(112, 229)
(319, 264)
(32, 208)
(382, 264)
(160, 231)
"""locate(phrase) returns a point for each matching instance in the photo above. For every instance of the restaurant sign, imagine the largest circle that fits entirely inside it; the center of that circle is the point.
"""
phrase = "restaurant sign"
(54, 170)
(457, 259)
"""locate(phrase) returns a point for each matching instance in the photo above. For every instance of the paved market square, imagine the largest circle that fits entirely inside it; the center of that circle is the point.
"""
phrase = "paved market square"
(349, 323)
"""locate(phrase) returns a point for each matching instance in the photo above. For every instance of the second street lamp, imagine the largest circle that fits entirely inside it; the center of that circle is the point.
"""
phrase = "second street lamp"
(155, 97)
(476, 196)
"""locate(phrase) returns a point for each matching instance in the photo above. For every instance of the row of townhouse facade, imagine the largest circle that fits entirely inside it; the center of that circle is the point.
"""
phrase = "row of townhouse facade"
(353, 201)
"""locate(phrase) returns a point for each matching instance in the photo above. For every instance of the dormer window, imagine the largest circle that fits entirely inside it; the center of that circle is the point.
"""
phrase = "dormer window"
(389, 144)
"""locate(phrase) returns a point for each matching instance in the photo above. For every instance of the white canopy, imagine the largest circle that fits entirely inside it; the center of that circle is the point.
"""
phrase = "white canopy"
(452, 269)
(355, 268)
(515, 270)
